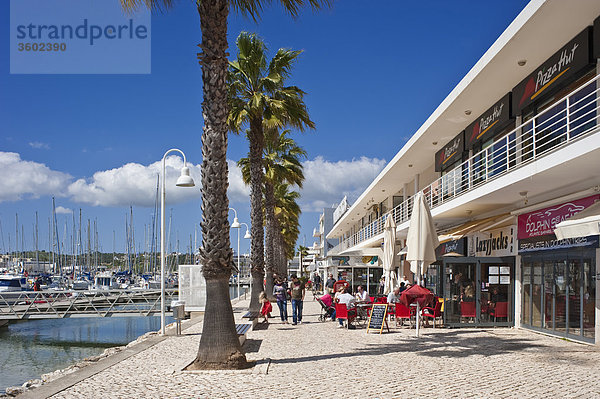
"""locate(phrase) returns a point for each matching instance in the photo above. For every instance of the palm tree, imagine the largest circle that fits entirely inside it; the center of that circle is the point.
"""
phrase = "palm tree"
(287, 215)
(259, 99)
(282, 165)
(219, 345)
(282, 162)
(302, 252)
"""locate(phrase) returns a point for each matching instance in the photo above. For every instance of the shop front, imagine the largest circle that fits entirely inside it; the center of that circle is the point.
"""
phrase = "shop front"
(476, 278)
(558, 276)
(364, 271)
(479, 288)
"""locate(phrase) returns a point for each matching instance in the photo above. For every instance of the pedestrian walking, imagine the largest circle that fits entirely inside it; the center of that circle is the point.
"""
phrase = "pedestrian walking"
(330, 283)
(280, 293)
(298, 291)
(266, 308)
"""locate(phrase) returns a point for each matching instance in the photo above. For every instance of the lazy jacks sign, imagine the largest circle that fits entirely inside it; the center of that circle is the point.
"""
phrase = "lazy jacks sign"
(569, 60)
(498, 242)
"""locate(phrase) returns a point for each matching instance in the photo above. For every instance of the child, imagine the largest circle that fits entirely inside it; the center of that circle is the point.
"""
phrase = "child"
(266, 308)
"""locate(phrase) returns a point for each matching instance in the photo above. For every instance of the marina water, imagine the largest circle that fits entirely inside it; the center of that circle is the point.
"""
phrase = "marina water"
(31, 348)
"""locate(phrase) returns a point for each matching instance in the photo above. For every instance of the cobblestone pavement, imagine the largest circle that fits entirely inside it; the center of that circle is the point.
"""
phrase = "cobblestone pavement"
(318, 360)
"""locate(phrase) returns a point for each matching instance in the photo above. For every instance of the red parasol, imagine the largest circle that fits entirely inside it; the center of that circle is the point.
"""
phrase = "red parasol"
(340, 283)
(418, 294)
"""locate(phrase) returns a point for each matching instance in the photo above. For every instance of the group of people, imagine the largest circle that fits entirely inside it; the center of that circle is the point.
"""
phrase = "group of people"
(343, 296)
(296, 292)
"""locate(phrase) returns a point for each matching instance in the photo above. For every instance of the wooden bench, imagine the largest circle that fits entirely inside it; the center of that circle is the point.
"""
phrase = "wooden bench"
(242, 330)
(252, 317)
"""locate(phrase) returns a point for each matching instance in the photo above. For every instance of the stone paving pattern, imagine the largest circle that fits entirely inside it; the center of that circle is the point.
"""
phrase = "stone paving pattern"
(318, 360)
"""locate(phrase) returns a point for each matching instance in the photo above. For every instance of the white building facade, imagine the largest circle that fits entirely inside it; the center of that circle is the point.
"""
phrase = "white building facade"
(513, 150)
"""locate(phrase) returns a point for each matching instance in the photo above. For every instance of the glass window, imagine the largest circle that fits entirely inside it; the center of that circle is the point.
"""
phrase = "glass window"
(536, 295)
(589, 298)
(582, 110)
(526, 296)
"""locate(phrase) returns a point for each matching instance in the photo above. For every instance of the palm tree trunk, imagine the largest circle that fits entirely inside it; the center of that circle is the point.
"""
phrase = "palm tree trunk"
(281, 257)
(219, 345)
(257, 258)
(270, 236)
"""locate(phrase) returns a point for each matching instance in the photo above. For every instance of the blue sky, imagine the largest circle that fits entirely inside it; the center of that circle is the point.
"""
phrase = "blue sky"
(373, 71)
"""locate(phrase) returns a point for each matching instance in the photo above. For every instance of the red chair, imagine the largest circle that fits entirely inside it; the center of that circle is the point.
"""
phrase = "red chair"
(500, 310)
(371, 299)
(342, 312)
(381, 299)
(402, 312)
(467, 309)
(433, 313)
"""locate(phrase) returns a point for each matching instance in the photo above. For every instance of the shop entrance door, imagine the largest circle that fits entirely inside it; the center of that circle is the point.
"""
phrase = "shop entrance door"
(460, 305)
(479, 292)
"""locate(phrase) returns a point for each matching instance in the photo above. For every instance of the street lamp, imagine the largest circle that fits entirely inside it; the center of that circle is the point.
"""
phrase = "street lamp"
(184, 180)
(246, 236)
(236, 225)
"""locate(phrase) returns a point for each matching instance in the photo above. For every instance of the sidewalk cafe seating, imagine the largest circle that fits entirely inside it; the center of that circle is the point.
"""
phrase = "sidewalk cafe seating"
(500, 310)
(432, 313)
(467, 309)
(342, 312)
(402, 312)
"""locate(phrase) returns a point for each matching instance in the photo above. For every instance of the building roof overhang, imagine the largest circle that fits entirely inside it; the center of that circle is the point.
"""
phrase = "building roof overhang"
(534, 35)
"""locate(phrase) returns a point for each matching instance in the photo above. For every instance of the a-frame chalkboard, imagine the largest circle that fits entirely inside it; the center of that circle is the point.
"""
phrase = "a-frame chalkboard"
(378, 317)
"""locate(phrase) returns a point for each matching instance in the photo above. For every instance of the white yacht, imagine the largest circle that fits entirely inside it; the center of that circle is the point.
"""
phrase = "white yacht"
(11, 283)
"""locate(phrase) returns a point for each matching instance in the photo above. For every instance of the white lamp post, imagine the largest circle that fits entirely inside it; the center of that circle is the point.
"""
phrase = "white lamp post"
(236, 225)
(246, 236)
(184, 180)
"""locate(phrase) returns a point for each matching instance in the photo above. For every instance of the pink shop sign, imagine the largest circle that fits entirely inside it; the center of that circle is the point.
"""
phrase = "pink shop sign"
(543, 221)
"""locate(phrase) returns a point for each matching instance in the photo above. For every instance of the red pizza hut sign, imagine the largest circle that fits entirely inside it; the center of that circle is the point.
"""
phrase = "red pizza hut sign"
(484, 127)
(569, 60)
(451, 153)
(542, 222)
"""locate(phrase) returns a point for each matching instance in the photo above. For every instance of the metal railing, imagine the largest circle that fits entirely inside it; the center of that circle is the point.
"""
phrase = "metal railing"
(62, 304)
(570, 118)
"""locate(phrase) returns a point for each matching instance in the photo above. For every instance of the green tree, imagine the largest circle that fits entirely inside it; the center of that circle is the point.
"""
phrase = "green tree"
(302, 252)
(260, 100)
(287, 213)
(219, 345)
(282, 163)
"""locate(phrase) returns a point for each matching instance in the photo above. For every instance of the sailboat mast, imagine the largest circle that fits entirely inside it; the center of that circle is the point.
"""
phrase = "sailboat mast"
(37, 250)
(16, 256)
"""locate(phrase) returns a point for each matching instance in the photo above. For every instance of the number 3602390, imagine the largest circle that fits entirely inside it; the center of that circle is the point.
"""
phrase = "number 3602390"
(42, 46)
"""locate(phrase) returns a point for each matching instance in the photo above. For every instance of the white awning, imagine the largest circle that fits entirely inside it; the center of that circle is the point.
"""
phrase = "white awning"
(585, 223)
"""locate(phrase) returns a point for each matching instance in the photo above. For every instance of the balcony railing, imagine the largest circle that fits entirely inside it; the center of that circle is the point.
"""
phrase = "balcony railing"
(570, 118)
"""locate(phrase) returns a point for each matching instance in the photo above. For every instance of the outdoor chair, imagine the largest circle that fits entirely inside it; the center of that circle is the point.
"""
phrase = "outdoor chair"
(467, 309)
(500, 310)
(371, 299)
(402, 313)
(381, 299)
(342, 312)
(432, 313)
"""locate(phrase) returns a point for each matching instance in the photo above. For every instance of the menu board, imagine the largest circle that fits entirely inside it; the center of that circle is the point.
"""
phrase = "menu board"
(377, 317)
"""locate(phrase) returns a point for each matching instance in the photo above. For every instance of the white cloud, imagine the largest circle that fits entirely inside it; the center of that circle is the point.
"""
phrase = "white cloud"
(63, 210)
(39, 145)
(135, 184)
(328, 182)
(26, 179)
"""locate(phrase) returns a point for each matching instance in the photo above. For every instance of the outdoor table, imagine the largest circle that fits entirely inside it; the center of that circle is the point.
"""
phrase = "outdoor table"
(363, 308)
